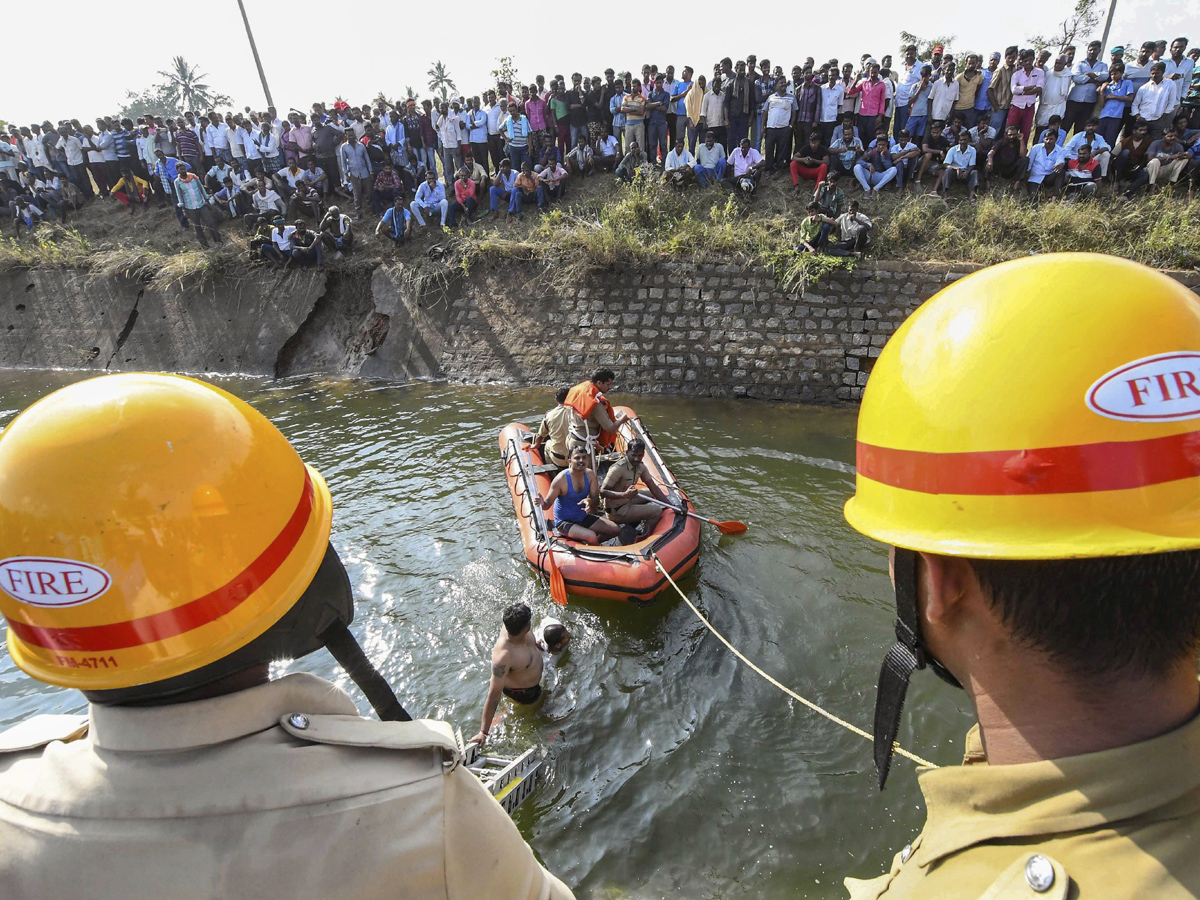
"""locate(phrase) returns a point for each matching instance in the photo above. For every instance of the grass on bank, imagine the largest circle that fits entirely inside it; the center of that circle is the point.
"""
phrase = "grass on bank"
(606, 226)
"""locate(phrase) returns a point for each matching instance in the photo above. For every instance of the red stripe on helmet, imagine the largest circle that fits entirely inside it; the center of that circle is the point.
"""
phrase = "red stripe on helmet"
(191, 615)
(1082, 468)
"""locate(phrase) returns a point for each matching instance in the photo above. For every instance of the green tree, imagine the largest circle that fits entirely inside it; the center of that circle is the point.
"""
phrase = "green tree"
(150, 102)
(440, 81)
(1077, 26)
(381, 99)
(185, 86)
(505, 71)
(409, 93)
(925, 45)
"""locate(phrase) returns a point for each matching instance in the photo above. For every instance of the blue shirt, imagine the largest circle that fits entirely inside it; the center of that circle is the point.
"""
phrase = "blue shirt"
(504, 184)
(1099, 145)
(395, 223)
(477, 126)
(167, 172)
(981, 99)
(356, 160)
(614, 107)
(1042, 164)
(659, 116)
(962, 159)
(431, 196)
(1115, 109)
(1085, 90)
(121, 141)
(681, 103)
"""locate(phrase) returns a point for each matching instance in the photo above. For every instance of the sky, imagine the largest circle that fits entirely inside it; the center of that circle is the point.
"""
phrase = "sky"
(303, 65)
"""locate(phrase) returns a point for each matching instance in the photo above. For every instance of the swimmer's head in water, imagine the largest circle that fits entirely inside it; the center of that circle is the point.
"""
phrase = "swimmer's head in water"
(557, 637)
(516, 618)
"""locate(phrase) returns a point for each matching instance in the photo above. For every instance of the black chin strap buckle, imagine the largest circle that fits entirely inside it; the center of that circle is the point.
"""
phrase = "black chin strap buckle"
(903, 658)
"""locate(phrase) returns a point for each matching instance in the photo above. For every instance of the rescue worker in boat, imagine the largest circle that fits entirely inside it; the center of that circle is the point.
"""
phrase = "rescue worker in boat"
(551, 439)
(162, 544)
(620, 492)
(1043, 514)
(571, 490)
(595, 423)
(518, 661)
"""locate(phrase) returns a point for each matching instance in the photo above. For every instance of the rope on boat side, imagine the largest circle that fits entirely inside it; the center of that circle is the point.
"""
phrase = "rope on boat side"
(813, 706)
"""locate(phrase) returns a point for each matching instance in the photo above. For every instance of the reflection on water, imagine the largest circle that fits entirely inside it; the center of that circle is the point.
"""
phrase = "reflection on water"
(673, 770)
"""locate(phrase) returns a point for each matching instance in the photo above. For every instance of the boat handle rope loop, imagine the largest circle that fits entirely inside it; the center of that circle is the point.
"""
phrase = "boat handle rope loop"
(813, 706)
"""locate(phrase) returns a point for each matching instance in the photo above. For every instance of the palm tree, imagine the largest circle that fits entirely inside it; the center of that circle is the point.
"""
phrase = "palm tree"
(184, 86)
(409, 93)
(440, 81)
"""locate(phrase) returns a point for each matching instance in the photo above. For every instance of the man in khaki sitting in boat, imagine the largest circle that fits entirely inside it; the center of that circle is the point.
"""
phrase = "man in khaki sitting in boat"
(570, 490)
(620, 493)
(516, 666)
(595, 423)
(551, 439)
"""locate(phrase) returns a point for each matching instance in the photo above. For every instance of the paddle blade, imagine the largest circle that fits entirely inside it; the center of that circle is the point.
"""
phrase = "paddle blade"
(558, 588)
(729, 527)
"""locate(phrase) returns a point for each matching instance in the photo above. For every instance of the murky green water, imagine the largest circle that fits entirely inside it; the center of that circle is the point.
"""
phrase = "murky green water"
(674, 770)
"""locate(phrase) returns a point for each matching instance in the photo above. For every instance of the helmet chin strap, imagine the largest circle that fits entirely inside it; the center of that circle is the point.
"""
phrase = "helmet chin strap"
(345, 649)
(905, 656)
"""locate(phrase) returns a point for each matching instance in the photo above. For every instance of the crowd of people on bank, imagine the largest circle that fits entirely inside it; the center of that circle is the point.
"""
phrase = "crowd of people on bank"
(1036, 123)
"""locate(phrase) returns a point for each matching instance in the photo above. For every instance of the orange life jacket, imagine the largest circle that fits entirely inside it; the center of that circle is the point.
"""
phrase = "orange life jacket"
(583, 399)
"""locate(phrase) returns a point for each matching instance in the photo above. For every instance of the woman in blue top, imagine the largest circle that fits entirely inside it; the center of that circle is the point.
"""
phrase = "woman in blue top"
(570, 489)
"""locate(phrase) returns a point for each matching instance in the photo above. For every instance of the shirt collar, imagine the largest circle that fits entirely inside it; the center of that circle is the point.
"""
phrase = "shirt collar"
(978, 802)
(202, 723)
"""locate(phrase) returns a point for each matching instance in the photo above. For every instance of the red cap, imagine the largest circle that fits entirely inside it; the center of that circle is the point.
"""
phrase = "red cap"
(939, 49)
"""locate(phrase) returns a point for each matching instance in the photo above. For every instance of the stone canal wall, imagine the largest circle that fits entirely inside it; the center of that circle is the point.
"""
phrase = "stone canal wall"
(701, 331)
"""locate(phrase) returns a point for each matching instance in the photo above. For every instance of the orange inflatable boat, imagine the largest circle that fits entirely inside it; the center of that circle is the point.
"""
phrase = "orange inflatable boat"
(613, 573)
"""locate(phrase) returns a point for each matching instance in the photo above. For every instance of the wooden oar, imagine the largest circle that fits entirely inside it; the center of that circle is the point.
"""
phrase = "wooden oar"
(723, 527)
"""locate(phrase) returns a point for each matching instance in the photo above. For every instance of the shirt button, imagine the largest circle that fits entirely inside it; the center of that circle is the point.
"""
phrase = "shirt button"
(1039, 873)
(299, 721)
(906, 853)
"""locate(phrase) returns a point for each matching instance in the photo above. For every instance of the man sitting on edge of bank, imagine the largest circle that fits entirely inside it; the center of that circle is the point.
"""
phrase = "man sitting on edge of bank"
(595, 423)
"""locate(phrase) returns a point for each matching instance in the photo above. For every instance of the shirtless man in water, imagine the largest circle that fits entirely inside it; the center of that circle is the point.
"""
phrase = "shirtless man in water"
(516, 666)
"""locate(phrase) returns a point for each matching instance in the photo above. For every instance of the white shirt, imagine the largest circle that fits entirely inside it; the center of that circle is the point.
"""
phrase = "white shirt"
(268, 202)
(831, 101)
(910, 77)
(217, 136)
(1153, 101)
(74, 149)
(1054, 94)
(941, 98)
(679, 160)
(607, 145)
(712, 110)
(283, 241)
(448, 129)
(779, 110)
(267, 145)
(494, 114)
(251, 148)
(1184, 70)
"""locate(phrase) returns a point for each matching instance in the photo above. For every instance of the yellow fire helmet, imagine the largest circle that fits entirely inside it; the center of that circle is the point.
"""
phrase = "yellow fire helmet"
(149, 526)
(1044, 408)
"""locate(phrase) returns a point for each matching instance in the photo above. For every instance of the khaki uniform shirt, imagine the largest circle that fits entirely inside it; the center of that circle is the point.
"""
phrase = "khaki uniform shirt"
(1118, 824)
(229, 798)
(621, 477)
(556, 426)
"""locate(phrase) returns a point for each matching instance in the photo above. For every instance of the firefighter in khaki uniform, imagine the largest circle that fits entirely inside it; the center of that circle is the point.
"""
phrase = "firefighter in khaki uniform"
(620, 493)
(1028, 447)
(161, 544)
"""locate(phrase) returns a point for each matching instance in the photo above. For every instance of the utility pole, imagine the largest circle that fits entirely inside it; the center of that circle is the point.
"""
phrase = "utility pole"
(1108, 24)
(258, 62)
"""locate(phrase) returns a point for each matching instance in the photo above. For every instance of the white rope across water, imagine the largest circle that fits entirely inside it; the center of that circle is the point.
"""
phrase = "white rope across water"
(787, 690)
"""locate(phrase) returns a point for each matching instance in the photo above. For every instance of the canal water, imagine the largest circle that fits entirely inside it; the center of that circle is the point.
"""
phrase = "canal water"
(673, 770)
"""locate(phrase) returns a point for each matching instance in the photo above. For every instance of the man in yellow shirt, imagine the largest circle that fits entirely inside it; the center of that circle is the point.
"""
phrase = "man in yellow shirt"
(1043, 517)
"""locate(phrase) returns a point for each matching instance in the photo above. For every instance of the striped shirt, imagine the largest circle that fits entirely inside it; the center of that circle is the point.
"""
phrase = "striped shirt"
(122, 141)
(188, 143)
(190, 192)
